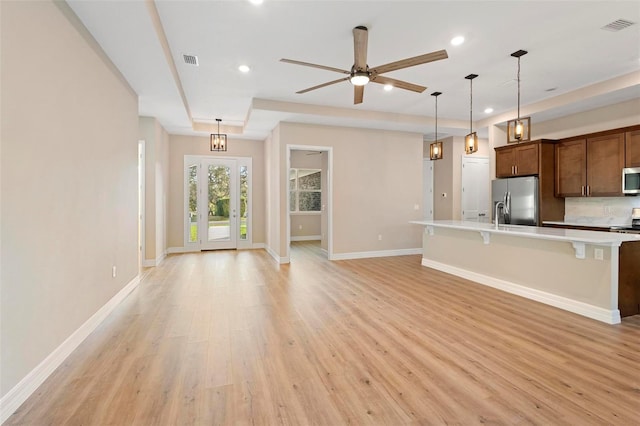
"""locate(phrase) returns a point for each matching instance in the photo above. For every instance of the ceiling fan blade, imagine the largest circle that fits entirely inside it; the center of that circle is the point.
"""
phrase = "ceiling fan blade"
(358, 93)
(360, 41)
(323, 85)
(308, 64)
(398, 83)
(410, 62)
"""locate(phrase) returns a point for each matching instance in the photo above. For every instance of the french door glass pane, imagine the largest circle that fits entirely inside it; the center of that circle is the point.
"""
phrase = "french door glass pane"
(193, 203)
(244, 197)
(218, 215)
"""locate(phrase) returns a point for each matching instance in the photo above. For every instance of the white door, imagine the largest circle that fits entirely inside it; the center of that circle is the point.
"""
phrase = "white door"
(427, 189)
(476, 189)
(218, 204)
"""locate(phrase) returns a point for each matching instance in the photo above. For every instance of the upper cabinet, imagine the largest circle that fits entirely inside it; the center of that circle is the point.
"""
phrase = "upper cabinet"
(591, 166)
(518, 160)
(533, 158)
(632, 148)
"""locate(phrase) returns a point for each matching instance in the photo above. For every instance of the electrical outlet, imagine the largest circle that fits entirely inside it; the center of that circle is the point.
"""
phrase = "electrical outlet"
(598, 254)
(416, 206)
(299, 226)
(379, 237)
(113, 271)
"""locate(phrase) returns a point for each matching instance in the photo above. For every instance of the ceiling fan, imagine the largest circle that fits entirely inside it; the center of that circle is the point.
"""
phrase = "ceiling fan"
(361, 74)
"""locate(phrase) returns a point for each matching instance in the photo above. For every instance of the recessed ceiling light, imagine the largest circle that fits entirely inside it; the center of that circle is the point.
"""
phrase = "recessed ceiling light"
(457, 41)
(488, 110)
(244, 68)
(256, 1)
(388, 87)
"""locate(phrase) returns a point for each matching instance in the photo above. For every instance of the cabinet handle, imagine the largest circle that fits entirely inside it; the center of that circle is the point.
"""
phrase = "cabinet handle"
(582, 190)
(588, 191)
(513, 170)
(516, 167)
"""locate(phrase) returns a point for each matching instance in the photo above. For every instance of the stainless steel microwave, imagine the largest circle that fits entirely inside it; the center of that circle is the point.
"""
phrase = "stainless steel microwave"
(631, 180)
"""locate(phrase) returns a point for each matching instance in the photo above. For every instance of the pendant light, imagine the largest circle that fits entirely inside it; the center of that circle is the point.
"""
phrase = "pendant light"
(435, 149)
(218, 140)
(471, 140)
(519, 130)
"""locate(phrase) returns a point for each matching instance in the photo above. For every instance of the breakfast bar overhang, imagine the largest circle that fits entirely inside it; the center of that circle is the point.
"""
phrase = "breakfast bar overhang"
(573, 270)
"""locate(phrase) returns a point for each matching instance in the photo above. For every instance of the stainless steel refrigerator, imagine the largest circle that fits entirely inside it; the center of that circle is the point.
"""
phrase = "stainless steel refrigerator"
(521, 198)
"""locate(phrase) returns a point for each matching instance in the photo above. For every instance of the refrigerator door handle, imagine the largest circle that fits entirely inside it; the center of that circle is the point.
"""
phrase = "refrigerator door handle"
(507, 202)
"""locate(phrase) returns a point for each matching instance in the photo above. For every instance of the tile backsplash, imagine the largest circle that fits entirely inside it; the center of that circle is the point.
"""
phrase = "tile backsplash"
(610, 210)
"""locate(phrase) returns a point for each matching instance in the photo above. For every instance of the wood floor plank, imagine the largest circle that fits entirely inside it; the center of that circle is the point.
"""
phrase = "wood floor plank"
(232, 338)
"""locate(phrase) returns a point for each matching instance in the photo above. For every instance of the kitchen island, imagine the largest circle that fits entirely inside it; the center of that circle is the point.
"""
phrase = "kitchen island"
(573, 270)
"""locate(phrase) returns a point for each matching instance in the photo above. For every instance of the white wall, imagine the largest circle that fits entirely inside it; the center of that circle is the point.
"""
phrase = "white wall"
(377, 180)
(69, 182)
(156, 188)
(447, 176)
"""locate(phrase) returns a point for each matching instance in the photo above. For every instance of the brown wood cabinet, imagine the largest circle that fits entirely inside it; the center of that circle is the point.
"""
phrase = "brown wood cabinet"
(590, 167)
(535, 158)
(632, 148)
(519, 160)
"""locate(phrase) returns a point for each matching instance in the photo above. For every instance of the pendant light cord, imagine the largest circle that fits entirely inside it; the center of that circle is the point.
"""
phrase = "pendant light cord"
(518, 88)
(436, 119)
(471, 108)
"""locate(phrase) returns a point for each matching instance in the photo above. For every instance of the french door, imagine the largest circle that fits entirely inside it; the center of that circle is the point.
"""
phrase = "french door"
(217, 201)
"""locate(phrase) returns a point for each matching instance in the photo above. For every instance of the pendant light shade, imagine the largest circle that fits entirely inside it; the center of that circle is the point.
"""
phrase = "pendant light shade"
(435, 149)
(471, 140)
(218, 140)
(519, 129)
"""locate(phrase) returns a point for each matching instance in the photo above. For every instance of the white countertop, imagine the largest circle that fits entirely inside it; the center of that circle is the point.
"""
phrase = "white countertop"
(604, 226)
(545, 233)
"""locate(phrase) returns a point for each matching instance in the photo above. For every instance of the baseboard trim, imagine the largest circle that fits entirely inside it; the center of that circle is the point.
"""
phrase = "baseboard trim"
(20, 392)
(381, 253)
(307, 238)
(590, 311)
(147, 263)
(176, 250)
(279, 259)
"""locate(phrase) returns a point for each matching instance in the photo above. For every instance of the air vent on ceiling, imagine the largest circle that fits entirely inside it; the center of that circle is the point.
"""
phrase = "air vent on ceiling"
(617, 25)
(190, 60)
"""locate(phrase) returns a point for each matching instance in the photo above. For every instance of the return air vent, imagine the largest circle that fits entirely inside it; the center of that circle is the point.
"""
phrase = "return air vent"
(617, 25)
(190, 60)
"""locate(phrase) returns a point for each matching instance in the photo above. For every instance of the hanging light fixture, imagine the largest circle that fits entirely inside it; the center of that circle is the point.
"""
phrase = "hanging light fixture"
(435, 149)
(218, 140)
(519, 130)
(471, 140)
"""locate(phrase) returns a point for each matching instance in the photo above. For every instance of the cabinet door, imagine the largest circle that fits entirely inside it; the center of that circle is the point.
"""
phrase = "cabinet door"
(571, 168)
(505, 160)
(605, 161)
(632, 149)
(527, 160)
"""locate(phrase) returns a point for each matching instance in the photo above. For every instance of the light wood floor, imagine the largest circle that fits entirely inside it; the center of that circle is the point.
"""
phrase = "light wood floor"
(233, 338)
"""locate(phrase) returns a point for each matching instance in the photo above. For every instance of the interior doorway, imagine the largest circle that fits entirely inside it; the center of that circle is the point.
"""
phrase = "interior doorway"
(427, 188)
(476, 189)
(309, 200)
(141, 200)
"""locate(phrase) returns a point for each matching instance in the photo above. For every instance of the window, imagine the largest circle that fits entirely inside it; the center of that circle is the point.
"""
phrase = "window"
(305, 190)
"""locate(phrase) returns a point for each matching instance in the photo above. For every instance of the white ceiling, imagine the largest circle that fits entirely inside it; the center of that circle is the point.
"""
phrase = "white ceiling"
(568, 52)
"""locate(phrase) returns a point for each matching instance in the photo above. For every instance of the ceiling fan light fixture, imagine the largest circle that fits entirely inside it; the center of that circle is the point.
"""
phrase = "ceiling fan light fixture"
(359, 78)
